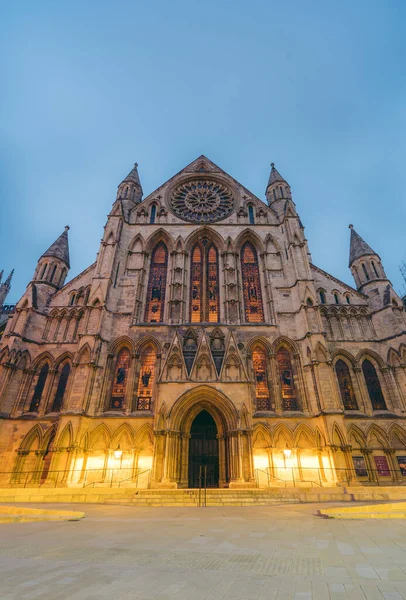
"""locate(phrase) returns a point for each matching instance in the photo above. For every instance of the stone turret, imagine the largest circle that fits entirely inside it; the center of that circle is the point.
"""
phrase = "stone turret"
(130, 189)
(5, 287)
(277, 190)
(54, 264)
(369, 274)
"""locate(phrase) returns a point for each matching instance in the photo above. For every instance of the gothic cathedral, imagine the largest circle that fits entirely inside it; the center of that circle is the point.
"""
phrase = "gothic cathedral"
(204, 337)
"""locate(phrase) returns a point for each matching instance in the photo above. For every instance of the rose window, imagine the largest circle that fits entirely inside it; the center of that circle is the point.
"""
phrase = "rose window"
(202, 201)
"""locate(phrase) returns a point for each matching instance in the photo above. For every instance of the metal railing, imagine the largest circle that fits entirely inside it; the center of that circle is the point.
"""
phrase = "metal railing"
(326, 477)
(76, 478)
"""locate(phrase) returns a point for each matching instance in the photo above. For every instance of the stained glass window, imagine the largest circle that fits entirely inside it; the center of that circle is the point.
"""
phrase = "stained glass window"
(212, 293)
(204, 284)
(345, 384)
(146, 379)
(261, 379)
(373, 385)
(254, 311)
(154, 310)
(120, 379)
(286, 378)
(196, 291)
(39, 388)
(60, 391)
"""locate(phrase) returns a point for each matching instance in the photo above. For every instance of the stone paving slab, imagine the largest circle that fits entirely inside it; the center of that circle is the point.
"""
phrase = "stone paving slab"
(278, 552)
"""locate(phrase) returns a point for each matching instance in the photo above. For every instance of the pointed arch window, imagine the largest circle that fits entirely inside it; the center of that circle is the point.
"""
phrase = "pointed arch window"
(373, 386)
(251, 214)
(152, 216)
(322, 296)
(261, 379)
(44, 271)
(345, 385)
(146, 379)
(53, 273)
(254, 310)
(365, 271)
(60, 390)
(204, 284)
(120, 379)
(374, 268)
(39, 388)
(288, 391)
(154, 310)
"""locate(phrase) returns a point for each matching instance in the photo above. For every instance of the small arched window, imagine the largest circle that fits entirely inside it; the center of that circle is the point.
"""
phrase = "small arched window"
(309, 302)
(62, 276)
(365, 271)
(345, 385)
(348, 299)
(322, 295)
(53, 273)
(374, 268)
(44, 270)
(281, 190)
(274, 194)
(153, 214)
(146, 379)
(336, 298)
(39, 388)
(373, 386)
(87, 294)
(60, 391)
(254, 310)
(154, 309)
(72, 299)
(120, 379)
(287, 383)
(251, 214)
(261, 379)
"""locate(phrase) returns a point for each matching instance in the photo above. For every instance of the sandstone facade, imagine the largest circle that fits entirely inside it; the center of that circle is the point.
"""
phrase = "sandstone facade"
(203, 337)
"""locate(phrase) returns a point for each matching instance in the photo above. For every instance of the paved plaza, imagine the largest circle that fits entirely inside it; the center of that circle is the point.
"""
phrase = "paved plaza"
(278, 552)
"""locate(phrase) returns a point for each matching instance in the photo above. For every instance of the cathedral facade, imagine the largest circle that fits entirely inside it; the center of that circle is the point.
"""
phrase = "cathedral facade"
(203, 339)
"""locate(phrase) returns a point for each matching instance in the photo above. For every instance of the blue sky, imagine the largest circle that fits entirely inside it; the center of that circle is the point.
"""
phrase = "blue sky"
(88, 88)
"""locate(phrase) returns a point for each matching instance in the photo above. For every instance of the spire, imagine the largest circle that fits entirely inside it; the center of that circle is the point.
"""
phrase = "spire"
(60, 248)
(130, 188)
(358, 247)
(275, 176)
(9, 278)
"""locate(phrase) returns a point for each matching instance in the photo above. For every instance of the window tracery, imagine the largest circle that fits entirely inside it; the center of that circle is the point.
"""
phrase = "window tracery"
(373, 386)
(202, 201)
(204, 284)
(154, 309)
(120, 379)
(345, 385)
(254, 311)
(261, 379)
(288, 390)
(146, 379)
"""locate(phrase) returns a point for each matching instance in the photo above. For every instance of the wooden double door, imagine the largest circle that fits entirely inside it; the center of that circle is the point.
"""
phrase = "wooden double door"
(203, 452)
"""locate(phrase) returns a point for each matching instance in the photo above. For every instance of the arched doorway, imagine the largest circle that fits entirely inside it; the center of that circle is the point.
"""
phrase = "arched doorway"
(203, 451)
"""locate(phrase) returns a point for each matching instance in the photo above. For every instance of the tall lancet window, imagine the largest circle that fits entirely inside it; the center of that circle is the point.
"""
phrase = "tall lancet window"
(373, 385)
(154, 309)
(261, 379)
(204, 284)
(196, 291)
(39, 388)
(146, 379)
(212, 291)
(254, 310)
(288, 391)
(120, 379)
(345, 383)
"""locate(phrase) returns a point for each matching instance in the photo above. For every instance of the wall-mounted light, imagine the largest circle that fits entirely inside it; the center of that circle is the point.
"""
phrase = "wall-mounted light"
(287, 452)
(118, 453)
